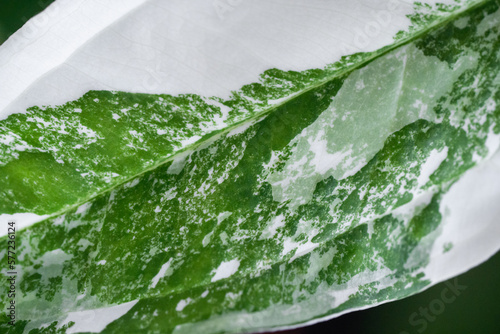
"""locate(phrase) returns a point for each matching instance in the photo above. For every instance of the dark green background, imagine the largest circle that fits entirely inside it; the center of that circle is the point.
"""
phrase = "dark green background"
(14, 13)
(475, 311)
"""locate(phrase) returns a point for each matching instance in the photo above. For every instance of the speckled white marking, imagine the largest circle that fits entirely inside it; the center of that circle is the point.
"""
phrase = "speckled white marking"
(226, 269)
(94, 321)
(431, 165)
(164, 270)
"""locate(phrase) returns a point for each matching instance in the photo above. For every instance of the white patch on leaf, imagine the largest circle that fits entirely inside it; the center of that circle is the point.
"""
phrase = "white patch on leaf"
(226, 269)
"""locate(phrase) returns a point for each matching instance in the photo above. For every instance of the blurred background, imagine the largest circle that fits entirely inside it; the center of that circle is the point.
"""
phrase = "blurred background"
(14, 13)
(475, 311)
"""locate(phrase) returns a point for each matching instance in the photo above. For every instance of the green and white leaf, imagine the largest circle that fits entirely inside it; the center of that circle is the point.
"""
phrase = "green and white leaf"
(229, 167)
